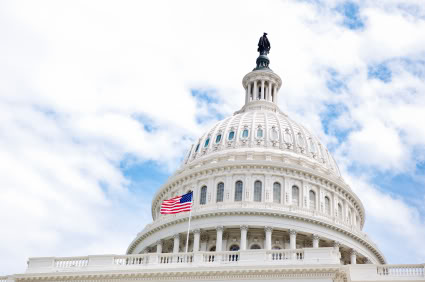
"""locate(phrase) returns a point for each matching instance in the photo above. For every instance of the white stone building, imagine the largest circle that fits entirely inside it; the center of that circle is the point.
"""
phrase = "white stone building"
(269, 204)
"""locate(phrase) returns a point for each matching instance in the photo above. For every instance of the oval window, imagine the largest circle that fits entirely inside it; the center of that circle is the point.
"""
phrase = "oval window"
(245, 133)
(259, 133)
(218, 138)
(231, 135)
(207, 142)
(197, 148)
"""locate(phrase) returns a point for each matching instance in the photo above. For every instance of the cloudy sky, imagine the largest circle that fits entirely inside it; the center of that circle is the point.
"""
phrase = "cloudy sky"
(100, 100)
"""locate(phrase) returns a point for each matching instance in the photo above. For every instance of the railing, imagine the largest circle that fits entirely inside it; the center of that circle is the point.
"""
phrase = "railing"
(408, 270)
(3, 278)
(71, 262)
(175, 258)
(221, 257)
(131, 260)
(278, 255)
(164, 260)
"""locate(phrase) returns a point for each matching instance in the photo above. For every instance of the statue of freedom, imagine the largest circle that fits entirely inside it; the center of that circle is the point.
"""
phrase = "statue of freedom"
(264, 45)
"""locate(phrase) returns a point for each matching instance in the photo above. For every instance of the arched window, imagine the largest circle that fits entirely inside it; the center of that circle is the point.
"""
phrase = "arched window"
(231, 135)
(274, 134)
(203, 198)
(277, 192)
(207, 142)
(258, 189)
(312, 197)
(327, 205)
(238, 191)
(234, 248)
(212, 249)
(197, 148)
(339, 211)
(220, 192)
(218, 139)
(259, 133)
(295, 196)
(245, 133)
(255, 247)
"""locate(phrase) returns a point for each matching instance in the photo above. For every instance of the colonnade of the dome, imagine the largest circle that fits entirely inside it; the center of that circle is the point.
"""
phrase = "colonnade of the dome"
(222, 239)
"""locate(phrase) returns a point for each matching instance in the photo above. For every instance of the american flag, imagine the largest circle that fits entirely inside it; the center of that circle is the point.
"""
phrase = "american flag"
(177, 204)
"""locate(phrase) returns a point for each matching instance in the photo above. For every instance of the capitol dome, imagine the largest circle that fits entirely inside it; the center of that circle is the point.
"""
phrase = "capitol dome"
(258, 197)
(260, 180)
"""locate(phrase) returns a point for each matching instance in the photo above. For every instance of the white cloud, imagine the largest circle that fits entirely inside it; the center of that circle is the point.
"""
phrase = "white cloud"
(79, 80)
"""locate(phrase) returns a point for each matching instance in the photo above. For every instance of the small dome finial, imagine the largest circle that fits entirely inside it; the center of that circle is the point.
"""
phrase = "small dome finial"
(264, 49)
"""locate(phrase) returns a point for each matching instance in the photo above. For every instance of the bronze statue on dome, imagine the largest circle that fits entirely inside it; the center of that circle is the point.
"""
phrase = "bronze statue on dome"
(264, 45)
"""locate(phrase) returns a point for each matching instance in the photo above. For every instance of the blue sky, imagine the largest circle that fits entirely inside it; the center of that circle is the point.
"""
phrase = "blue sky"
(101, 100)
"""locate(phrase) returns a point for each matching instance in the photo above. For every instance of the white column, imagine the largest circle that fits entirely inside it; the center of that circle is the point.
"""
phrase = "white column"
(246, 95)
(255, 91)
(269, 92)
(275, 94)
(249, 91)
(244, 231)
(353, 257)
(316, 239)
(159, 246)
(262, 90)
(268, 231)
(292, 239)
(176, 246)
(219, 239)
(196, 237)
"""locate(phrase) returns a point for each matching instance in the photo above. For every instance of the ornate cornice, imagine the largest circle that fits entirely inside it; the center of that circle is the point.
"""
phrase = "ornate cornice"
(225, 273)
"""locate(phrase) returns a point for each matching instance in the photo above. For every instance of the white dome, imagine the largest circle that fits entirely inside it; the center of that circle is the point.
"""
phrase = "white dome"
(263, 132)
(262, 171)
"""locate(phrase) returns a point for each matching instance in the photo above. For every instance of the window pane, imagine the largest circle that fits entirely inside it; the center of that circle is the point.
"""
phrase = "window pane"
(257, 191)
(340, 211)
(197, 148)
(218, 138)
(276, 192)
(327, 205)
(259, 133)
(207, 142)
(203, 199)
(231, 135)
(245, 133)
(312, 197)
(220, 192)
(238, 191)
(295, 195)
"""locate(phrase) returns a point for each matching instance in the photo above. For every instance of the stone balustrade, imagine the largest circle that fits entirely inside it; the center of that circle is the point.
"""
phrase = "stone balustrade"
(387, 272)
(175, 260)
(402, 270)
(3, 278)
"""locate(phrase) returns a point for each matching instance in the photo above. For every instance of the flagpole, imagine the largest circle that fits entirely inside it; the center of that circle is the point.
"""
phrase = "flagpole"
(188, 228)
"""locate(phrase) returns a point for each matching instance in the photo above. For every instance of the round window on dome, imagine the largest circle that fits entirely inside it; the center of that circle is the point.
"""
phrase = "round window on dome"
(207, 142)
(231, 135)
(245, 133)
(218, 139)
(259, 133)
